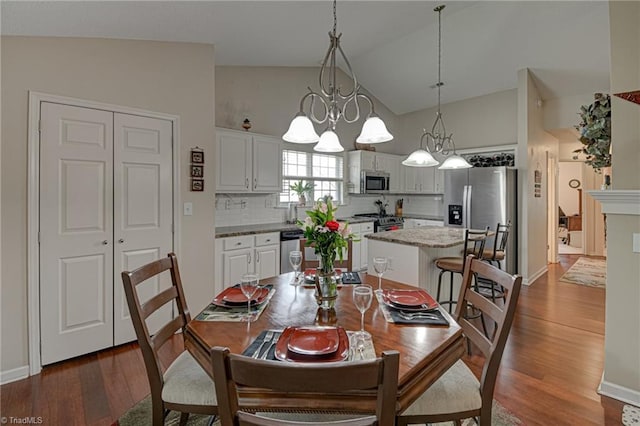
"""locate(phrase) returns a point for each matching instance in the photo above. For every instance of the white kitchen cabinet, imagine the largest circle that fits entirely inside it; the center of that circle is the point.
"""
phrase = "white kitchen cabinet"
(419, 223)
(247, 162)
(365, 229)
(236, 256)
(439, 181)
(379, 162)
(422, 180)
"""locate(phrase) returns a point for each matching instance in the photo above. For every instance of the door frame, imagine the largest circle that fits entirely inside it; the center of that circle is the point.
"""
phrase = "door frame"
(33, 201)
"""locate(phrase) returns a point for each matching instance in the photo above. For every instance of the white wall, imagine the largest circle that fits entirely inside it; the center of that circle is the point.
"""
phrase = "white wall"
(173, 78)
(567, 196)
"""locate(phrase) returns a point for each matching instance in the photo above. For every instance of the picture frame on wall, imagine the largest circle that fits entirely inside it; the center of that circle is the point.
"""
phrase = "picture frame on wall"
(197, 185)
(197, 171)
(197, 157)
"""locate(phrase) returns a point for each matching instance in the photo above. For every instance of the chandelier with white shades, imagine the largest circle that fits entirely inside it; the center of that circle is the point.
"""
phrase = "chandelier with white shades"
(332, 104)
(437, 140)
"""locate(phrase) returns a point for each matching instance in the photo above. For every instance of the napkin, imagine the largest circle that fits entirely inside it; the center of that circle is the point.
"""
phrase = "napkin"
(258, 341)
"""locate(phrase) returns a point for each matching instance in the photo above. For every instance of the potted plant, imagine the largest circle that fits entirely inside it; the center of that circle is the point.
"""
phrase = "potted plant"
(595, 132)
(301, 189)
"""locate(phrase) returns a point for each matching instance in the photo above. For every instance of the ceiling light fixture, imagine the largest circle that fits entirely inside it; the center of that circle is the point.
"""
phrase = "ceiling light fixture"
(301, 129)
(437, 140)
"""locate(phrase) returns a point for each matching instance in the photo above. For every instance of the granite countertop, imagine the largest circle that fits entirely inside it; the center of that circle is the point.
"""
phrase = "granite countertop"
(428, 236)
(422, 216)
(239, 230)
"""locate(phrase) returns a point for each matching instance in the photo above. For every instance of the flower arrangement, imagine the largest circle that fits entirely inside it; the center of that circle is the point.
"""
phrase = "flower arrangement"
(327, 236)
(595, 131)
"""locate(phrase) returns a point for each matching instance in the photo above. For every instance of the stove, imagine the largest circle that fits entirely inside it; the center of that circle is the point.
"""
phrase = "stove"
(385, 222)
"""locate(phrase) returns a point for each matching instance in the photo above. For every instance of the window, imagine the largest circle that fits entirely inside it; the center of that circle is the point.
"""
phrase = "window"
(324, 171)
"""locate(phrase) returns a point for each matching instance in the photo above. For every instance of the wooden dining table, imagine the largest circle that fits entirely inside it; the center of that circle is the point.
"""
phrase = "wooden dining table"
(426, 351)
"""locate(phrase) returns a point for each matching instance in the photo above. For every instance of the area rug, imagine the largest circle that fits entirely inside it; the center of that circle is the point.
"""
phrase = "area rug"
(630, 415)
(587, 271)
(140, 415)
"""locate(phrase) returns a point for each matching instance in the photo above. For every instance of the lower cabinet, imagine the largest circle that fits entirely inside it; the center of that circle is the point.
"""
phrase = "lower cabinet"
(360, 251)
(236, 256)
(419, 223)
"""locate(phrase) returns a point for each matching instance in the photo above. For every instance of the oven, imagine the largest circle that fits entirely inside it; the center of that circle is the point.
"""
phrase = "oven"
(384, 223)
(289, 241)
(374, 182)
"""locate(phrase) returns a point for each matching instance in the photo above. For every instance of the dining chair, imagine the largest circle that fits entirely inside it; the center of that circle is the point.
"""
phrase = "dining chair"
(184, 386)
(345, 263)
(232, 371)
(458, 394)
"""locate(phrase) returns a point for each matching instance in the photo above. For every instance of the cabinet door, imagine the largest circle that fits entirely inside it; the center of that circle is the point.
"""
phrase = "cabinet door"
(368, 160)
(267, 164)
(439, 181)
(426, 179)
(233, 159)
(236, 263)
(268, 261)
(366, 229)
(356, 246)
(411, 179)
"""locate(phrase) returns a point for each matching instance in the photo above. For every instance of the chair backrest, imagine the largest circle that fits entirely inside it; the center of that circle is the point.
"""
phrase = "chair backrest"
(345, 263)
(141, 311)
(501, 315)
(474, 241)
(231, 371)
(501, 238)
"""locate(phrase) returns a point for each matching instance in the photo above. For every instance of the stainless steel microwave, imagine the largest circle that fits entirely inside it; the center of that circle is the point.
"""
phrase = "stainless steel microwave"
(374, 182)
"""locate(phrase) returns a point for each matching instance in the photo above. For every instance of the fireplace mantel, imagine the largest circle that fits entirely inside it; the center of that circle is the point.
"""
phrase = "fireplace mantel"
(621, 201)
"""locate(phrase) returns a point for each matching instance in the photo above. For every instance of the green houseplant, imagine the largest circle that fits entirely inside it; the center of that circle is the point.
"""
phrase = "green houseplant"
(595, 132)
(301, 189)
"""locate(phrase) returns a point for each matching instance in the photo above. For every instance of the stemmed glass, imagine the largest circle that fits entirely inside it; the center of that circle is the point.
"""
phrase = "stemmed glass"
(362, 296)
(380, 266)
(295, 258)
(249, 286)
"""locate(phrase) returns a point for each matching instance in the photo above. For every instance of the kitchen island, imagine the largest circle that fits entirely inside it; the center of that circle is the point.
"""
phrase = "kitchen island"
(411, 253)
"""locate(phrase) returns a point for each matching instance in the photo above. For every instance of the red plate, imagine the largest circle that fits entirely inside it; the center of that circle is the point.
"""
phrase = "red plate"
(340, 354)
(417, 298)
(233, 296)
(314, 341)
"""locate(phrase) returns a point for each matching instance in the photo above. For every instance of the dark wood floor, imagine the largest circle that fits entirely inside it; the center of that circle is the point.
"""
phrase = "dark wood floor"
(549, 374)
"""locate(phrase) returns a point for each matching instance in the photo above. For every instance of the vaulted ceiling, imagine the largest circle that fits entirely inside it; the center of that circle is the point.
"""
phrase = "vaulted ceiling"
(392, 45)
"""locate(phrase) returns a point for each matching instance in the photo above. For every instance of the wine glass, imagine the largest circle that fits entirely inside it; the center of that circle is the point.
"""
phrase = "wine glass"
(295, 258)
(249, 286)
(362, 296)
(380, 266)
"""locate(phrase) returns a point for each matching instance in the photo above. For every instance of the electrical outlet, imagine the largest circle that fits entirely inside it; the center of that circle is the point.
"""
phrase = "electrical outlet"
(227, 204)
(188, 209)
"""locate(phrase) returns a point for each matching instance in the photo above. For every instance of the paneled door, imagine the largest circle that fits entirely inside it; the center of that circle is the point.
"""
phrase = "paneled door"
(105, 206)
(142, 212)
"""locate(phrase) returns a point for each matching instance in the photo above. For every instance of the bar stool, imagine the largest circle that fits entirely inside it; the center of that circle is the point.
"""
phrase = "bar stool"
(474, 242)
(490, 289)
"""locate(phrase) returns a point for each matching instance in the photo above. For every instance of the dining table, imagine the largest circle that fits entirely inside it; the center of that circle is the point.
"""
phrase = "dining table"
(426, 351)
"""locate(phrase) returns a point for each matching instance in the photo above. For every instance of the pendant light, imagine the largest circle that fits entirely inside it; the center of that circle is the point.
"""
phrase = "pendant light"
(437, 140)
(333, 104)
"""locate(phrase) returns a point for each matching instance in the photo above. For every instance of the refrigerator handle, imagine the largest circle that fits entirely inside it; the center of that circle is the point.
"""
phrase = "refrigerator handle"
(468, 203)
(464, 206)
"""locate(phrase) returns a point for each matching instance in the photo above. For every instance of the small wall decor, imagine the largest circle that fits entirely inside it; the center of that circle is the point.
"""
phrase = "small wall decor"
(197, 169)
(246, 124)
(197, 185)
(630, 96)
(537, 183)
(492, 160)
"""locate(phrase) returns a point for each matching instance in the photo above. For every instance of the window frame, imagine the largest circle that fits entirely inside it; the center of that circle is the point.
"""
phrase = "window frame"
(308, 176)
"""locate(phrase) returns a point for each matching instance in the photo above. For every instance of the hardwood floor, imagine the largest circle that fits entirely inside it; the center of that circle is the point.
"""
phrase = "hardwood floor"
(550, 371)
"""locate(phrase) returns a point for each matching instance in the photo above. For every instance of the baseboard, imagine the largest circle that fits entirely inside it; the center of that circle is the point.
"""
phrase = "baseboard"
(630, 396)
(531, 279)
(13, 375)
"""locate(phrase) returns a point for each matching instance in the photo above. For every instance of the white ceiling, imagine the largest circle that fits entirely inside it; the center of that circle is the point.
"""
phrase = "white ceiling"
(392, 45)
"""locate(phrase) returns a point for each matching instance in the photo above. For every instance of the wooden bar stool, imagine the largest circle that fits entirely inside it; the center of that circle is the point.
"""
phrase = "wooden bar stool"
(488, 288)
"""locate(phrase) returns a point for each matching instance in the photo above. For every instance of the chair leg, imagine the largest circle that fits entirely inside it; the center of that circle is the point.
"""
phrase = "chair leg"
(439, 284)
(451, 302)
(183, 419)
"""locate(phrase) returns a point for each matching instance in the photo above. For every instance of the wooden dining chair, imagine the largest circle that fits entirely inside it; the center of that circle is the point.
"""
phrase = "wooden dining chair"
(458, 394)
(184, 386)
(233, 371)
(345, 264)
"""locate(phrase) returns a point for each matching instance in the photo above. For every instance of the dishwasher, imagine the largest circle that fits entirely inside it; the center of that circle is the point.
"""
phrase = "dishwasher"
(289, 241)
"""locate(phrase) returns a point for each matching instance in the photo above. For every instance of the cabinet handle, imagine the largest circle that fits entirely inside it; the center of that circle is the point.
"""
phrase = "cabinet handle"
(238, 243)
(246, 183)
(105, 242)
(249, 259)
(258, 257)
(121, 240)
(268, 240)
(255, 183)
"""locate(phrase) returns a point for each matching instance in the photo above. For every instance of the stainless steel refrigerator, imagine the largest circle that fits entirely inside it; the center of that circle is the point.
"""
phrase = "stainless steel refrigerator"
(484, 196)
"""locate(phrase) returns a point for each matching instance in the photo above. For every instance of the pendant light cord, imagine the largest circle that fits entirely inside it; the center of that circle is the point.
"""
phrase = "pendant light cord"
(439, 83)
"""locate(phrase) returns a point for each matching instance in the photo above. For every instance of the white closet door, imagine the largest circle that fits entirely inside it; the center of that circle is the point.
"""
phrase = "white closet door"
(76, 231)
(143, 211)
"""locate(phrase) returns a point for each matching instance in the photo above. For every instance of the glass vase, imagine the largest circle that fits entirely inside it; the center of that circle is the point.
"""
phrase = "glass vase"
(326, 289)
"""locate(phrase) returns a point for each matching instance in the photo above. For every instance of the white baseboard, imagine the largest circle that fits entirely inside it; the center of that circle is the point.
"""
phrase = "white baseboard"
(13, 375)
(531, 279)
(630, 396)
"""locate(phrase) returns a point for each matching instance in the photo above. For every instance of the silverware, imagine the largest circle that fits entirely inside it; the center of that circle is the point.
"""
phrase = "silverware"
(274, 340)
(267, 339)
(417, 315)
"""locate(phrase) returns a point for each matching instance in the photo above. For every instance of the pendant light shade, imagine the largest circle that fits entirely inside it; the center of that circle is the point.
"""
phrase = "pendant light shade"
(374, 131)
(301, 130)
(329, 142)
(455, 162)
(420, 158)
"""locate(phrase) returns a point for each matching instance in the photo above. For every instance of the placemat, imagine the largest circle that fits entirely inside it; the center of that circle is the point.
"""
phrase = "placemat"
(394, 315)
(235, 313)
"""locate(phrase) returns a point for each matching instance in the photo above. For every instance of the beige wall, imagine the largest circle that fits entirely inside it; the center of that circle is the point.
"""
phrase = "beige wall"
(567, 196)
(172, 78)
(270, 98)
(622, 326)
(534, 146)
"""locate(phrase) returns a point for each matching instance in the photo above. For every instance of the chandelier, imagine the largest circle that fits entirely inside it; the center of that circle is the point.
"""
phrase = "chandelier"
(437, 140)
(331, 103)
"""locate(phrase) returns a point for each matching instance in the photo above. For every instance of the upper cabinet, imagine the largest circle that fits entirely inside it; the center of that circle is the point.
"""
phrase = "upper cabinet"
(423, 180)
(248, 162)
(372, 161)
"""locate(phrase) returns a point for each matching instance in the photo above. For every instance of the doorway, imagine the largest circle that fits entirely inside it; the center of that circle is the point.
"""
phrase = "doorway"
(570, 208)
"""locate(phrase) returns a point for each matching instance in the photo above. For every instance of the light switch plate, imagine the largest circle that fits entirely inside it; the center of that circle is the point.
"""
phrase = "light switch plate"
(636, 243)
(188, 209)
